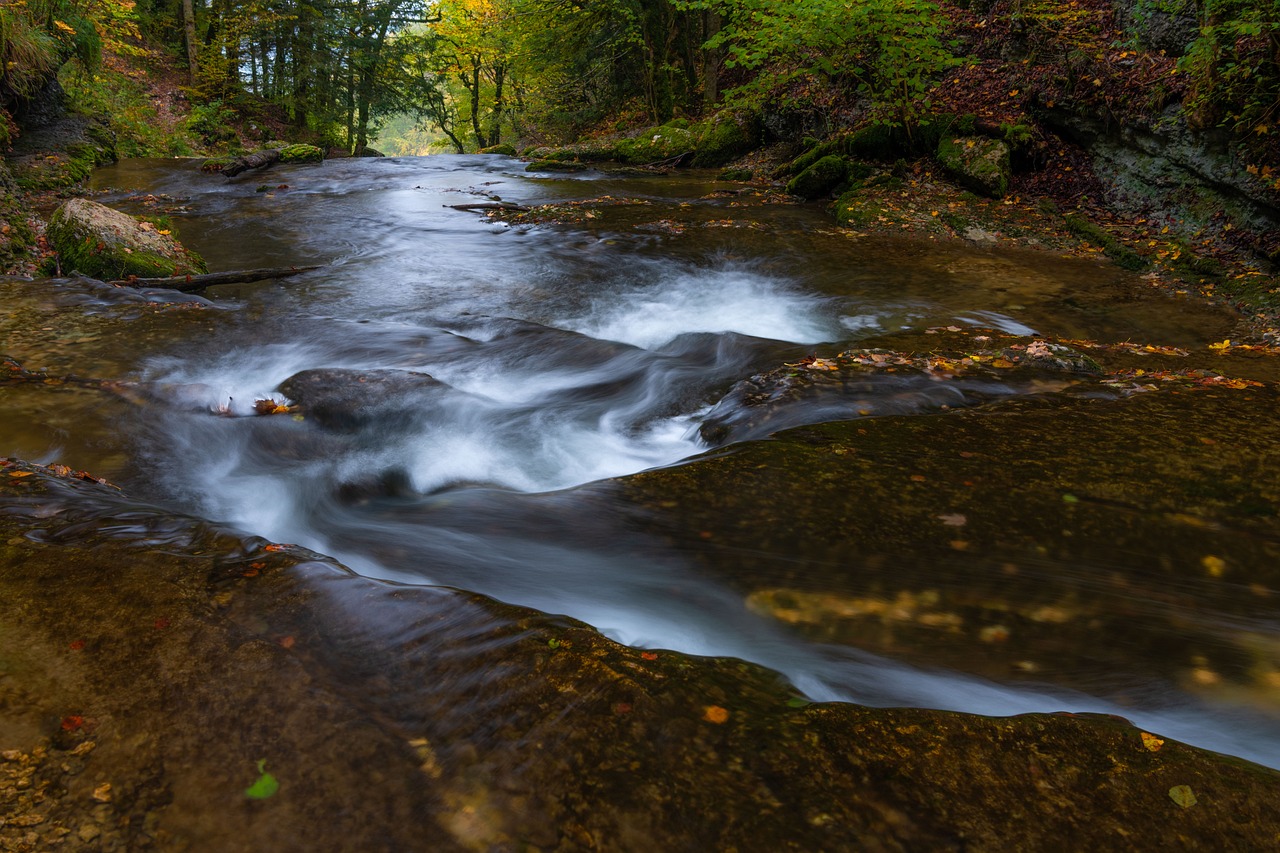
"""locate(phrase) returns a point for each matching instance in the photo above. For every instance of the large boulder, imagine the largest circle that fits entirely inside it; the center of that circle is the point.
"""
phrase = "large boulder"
(726, 136)
(656, 144)
(100, 242)
(978, 163)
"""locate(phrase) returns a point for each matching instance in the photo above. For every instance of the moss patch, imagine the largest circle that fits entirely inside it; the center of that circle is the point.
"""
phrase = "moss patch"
(301, 153)
(820, 179)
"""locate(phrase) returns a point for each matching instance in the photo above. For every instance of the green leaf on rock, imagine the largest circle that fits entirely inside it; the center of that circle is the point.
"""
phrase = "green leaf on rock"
(266, 786)
(798, 702)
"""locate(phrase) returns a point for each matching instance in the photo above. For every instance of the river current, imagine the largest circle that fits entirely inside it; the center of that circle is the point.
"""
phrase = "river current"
(569, 357)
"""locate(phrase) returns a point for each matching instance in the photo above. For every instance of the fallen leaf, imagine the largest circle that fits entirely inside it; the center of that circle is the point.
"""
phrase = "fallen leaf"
(1151, 742)
(266, 786)
(1183, 796)
(1215, 566)
(102, 793)
(715, 714)
(649, 655)
(1003, 364)
(954, 519)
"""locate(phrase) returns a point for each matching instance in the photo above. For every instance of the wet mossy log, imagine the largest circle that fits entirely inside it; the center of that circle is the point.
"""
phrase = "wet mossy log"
(194, 283)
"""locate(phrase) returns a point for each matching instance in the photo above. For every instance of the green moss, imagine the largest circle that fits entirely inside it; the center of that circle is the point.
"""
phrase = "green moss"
(301, 153)
(976, 162)
(1121, 254)
(820, 179)
(103, 251)
(505, 149)
(727, 136)
(655, 144)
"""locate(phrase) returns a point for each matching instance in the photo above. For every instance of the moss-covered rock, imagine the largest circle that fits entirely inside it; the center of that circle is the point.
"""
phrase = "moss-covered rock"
(727, 136)
(976, 162)
(99, 242)
(656, 144)
(821, 178)
(736, 175)
(506, 149)
(301, 153)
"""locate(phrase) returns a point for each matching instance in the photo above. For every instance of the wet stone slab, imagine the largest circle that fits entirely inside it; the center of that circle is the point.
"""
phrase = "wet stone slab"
(153, 668)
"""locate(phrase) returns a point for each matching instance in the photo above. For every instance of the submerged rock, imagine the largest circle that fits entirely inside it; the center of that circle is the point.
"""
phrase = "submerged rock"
(100, 242)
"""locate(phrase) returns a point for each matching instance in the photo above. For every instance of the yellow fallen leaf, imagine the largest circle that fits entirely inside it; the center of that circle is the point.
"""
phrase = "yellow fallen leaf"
(1224, 345)
(1215, 566)
(1151, 742)
(715, 714)
(1183, 796)
(1002, 363)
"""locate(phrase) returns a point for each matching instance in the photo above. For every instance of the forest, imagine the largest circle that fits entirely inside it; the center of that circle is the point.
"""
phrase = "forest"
(481, 72)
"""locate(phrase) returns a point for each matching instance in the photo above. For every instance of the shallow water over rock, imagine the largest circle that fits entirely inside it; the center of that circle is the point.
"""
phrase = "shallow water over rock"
(520, 412)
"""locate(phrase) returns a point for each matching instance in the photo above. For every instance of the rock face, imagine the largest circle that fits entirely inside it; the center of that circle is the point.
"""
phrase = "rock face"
(61, 153)
(979, 163)
(1168, 170)
(99, 242)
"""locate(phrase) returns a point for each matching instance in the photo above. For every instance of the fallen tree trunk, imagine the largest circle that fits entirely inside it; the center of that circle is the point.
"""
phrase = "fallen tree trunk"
(192, 283)
(256, 160)
(489, 205)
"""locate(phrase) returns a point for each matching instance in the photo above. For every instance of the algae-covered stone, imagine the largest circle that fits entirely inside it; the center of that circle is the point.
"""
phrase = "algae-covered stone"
(976, 162)
(727, 136)
(301, 153)
(656, 144)
(820, 179)
(506, 149)
(99, 242)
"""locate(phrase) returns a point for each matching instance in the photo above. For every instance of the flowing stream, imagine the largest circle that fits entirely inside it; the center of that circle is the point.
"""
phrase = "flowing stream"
(517, 376)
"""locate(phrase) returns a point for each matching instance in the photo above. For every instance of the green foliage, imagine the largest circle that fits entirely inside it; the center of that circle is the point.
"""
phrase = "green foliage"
(212, 124)
(1235, 66)
(127, 107)
(889, 50)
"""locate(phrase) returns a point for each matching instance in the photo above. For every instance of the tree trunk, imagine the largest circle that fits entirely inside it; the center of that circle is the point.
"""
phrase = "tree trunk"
(495, 127)
(189, 36)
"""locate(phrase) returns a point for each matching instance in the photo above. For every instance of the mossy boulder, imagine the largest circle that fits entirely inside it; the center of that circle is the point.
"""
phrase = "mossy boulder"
(656, 144)
(978, 163)
(301, 153)
(99, 242)
(821, 178)
(506, 149)
(726, 136)
(736, 175)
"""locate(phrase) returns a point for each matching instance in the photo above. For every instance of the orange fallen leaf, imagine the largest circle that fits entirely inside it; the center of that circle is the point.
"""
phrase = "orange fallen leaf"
(1152, 742)
(715, 714)
(649, 655)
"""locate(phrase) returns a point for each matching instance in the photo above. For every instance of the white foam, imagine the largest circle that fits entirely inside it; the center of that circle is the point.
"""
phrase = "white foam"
(729, 299)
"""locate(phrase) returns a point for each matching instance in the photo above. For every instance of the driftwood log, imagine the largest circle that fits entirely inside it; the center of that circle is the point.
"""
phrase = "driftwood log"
(256, 160)
(489, 205)
(193, 283)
